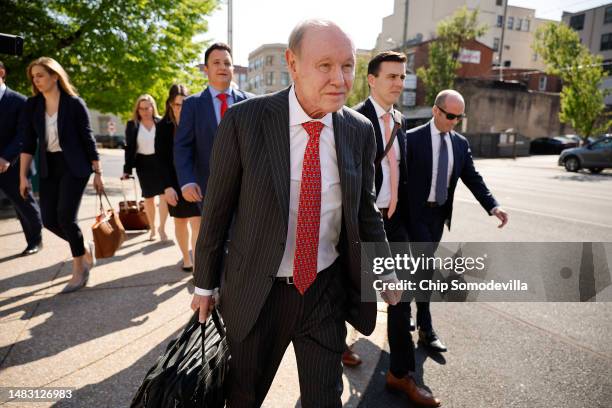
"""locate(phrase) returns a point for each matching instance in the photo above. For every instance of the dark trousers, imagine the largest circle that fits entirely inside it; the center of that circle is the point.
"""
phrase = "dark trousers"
(398, 317)
(314, 323)
(27, 210)
(425, 232)
(60, 199)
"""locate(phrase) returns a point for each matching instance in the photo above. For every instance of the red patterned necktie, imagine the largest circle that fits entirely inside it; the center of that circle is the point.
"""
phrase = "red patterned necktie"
(309, 212)
(223, 98)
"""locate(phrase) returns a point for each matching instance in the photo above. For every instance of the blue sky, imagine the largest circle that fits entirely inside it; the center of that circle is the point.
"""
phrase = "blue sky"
(258, 22)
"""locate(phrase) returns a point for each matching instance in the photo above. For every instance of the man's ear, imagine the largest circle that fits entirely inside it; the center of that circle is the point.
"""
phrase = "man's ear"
(371, 79)
(291, 62)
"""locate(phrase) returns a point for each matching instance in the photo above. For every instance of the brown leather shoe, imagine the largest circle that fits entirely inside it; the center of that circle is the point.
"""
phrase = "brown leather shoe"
(350, 359)
(408, 386)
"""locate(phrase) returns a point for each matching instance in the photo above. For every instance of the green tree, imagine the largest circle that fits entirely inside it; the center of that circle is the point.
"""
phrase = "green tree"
(361, 90)
(113, 50)
(582, 100)
(443, 59)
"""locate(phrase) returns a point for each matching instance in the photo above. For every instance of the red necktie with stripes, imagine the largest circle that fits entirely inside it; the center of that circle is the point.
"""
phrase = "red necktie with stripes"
(223, 98)
(309, 212)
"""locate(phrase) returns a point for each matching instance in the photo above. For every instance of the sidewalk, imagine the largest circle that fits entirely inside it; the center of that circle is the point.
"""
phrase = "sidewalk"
(102, 340)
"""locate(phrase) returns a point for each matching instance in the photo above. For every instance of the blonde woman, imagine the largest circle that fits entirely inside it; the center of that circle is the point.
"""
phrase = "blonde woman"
(140, 154)
(57, 121)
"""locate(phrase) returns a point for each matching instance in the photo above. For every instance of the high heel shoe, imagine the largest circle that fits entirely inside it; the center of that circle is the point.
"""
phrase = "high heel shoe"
(92, 252)
(73, 288)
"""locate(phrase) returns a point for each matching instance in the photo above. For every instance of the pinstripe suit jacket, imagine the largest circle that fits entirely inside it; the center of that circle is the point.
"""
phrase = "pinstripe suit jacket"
(249, 184)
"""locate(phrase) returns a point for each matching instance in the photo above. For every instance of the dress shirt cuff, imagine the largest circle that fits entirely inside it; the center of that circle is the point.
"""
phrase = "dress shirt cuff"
(189, 185)
(205, 292)
(387, 277)
(493, 210)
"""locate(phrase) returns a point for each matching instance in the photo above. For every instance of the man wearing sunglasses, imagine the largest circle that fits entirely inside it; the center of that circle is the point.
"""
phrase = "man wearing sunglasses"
(436, 158)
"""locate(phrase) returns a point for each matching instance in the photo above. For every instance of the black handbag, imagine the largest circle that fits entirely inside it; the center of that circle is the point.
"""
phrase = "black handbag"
(192, 371)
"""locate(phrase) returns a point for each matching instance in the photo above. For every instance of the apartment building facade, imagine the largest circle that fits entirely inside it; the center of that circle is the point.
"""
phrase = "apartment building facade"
(418, 19)
(267, 71)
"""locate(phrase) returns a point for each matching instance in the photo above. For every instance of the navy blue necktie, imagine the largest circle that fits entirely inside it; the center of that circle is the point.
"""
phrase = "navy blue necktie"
(442, 178)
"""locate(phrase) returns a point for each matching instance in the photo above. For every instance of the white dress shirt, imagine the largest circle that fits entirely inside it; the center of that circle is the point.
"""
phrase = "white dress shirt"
(331, 192)
(2, 90)
(51, 133)
(435, 151)
(145, 141)
(384, 195)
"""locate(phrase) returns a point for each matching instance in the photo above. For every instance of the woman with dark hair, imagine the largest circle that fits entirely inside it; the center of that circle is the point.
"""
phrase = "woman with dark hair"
(57, 121)
(140, 154)
(185, 213)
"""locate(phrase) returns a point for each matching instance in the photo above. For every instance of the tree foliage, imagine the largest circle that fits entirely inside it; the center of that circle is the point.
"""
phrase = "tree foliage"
(443, 59)
(360, 85)
(582, 100)
(113, 50)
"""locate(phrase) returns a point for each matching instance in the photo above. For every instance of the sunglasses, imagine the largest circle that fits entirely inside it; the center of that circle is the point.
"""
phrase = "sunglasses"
(452, 116)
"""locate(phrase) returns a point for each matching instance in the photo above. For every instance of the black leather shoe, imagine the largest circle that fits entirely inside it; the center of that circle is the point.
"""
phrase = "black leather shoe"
(32, 249)
(432, 341)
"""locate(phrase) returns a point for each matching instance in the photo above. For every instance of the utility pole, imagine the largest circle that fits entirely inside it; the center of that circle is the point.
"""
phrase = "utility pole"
(230, 24)
(405, 36)
(501, 45)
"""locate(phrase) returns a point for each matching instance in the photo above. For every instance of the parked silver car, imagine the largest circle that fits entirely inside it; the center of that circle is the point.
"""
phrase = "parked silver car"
(595, 156)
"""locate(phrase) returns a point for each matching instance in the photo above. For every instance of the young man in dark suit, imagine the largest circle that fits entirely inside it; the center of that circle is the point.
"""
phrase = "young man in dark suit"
(292, 173)
(200, 117)
(437, 157)
(386, 74)
(28, 213)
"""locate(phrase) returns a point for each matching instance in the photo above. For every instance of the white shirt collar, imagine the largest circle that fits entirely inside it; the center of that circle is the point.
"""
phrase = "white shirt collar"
(434, 129)
(297, 116)
(214, 91)
(379, 109)
(2, 90)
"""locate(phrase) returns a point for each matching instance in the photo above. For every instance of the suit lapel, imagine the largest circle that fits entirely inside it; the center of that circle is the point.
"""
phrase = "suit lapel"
(276, 129)
(427, 154)
(397, 118)
(5, 98)
(347, 159)
(456, 153)
(370, 113)
(62, 115)
(208, 108)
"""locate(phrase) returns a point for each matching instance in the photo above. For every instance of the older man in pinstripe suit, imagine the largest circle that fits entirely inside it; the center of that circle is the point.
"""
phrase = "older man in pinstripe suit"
(295, 172)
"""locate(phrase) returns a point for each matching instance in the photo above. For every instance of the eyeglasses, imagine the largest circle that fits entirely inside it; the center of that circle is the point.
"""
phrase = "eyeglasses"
(452, 116)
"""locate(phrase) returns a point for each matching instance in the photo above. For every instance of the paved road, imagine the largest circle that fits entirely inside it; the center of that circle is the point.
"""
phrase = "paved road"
(103, 339)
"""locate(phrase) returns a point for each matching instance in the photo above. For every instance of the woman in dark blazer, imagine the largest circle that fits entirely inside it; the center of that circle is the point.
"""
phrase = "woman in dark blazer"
(140, 154)
(57, 121)
(185, 213)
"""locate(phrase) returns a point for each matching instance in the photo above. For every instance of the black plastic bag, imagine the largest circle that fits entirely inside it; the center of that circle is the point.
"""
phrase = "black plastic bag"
(191, 373)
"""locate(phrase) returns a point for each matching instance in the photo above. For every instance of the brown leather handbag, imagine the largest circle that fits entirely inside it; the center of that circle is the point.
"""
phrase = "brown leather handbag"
(132, 212)
(108, 232)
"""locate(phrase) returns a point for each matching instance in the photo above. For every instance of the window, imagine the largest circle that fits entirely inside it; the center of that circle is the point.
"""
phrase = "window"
(606, 42)
(510, 23)
(410, 62)
(284, 78)
(500, 21)
(607, 66)
(507, 63)
(269, 78)
(519, 24)
(496, 44)
(603, 144)
(525, 25)
(608, 15)
(499, 2)
(542, 83)
(283, 62)
(269, 59)
(577, 22)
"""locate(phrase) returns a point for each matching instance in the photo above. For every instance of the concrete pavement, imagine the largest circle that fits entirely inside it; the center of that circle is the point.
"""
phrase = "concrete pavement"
(102, 340)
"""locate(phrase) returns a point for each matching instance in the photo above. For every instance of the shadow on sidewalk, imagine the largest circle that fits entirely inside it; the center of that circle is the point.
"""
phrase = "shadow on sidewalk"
(88, 314)
(119, 389)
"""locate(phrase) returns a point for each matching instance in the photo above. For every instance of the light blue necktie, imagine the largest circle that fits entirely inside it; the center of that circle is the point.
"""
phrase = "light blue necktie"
(442, 178)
